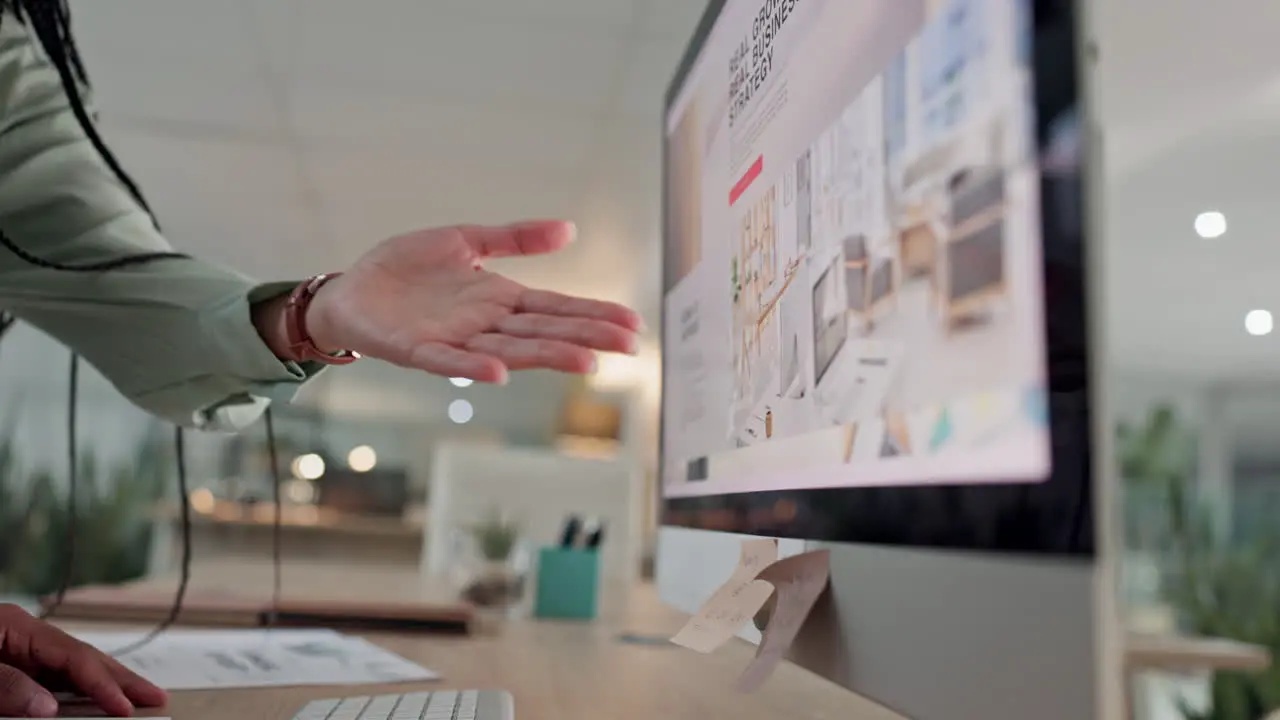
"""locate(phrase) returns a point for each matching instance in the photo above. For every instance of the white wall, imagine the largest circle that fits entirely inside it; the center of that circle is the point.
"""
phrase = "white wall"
(540, 489)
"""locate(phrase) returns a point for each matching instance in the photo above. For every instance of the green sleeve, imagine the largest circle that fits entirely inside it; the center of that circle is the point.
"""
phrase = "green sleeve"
(175, 336)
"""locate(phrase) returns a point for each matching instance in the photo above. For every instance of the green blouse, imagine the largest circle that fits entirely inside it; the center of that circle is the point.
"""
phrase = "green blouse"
(175, 336)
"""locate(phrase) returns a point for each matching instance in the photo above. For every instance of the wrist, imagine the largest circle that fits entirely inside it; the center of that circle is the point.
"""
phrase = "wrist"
(269, 320)
(317, 318)
(272, 317)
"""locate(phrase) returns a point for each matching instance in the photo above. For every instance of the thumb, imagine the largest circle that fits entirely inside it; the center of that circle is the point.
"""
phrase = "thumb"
(20, 696)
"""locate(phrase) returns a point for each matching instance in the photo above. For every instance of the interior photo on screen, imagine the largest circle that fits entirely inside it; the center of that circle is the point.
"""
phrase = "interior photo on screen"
(853, 252)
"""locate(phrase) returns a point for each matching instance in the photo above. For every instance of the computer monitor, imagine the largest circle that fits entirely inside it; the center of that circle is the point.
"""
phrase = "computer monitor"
(874, 341)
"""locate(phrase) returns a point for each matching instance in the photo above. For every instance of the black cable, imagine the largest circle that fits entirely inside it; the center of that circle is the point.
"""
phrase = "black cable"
(73, 462)
(7, 321)
(51, 22)
(176, 609)
(278, 518)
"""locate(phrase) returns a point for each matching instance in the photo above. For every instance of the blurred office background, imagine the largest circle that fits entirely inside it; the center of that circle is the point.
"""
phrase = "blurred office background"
(286, 136)
(1193, 365)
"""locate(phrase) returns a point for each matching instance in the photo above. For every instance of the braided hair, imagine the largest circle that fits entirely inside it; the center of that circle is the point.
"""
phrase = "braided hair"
(50, 22)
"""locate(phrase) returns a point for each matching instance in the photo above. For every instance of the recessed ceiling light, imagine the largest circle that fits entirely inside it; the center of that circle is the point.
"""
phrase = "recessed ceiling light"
(461, 382)
(1258, 322)
(1211, 224)
(460, 411)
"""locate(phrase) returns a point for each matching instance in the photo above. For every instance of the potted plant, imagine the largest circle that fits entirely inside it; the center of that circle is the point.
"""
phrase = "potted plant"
(1216, 586)
(498, 581)
(112, 522)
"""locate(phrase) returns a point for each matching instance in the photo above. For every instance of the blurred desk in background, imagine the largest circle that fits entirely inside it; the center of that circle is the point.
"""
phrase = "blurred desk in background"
(307, 533)
(230, 591)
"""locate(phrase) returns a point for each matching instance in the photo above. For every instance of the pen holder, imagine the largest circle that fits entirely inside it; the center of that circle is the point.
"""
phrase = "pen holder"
(568, 581)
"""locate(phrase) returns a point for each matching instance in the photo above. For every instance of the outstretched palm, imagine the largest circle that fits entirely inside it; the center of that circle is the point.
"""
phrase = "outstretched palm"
(424, 300)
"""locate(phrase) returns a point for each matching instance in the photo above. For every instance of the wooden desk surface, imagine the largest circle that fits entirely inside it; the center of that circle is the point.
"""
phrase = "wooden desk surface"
(555, 670)
(297, 519)
(1168, 652)
(566, 671)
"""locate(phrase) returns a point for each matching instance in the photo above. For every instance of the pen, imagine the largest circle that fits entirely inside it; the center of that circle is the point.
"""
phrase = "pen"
(595, 537)
(569, 536)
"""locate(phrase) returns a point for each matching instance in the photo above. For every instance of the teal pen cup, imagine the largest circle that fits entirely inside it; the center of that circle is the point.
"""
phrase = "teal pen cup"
(568, 582)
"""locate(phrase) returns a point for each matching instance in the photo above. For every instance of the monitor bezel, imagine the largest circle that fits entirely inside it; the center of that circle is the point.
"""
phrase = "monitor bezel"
(1021, 506)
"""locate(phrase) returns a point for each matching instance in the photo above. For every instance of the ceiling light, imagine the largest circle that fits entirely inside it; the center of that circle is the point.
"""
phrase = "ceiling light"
(460, 411)
(308, 467)
(1258, 322)
(1211, 224)
(362, 458)
(461, 382)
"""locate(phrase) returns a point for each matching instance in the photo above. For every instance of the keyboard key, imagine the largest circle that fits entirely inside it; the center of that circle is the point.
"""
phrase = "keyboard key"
(316, 710)
(443, 705)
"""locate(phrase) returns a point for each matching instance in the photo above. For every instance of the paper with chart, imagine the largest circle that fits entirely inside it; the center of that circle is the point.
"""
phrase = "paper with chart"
(734, 603)
(212, 659)
(799, 581)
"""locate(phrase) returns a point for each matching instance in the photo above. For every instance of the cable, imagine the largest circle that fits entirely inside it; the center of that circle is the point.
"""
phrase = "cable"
(278, 518)
(50, 21)
(6, 322)
(176, 609)
(73, 462)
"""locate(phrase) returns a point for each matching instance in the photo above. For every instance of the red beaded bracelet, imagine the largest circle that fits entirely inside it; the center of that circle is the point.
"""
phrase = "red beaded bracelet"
(301, 346)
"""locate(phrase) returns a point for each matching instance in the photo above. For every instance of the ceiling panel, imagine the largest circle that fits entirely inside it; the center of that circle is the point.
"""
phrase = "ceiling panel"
(1144, 70)
(237, 203)
(413, 51)
(474, 138)
(157, 91)
(372, 194)
(206, 169)
(583, 14)
(275, 26)
(198, 37)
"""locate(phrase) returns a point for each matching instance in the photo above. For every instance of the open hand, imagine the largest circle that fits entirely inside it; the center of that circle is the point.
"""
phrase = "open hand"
(424, 300)
(36, 657)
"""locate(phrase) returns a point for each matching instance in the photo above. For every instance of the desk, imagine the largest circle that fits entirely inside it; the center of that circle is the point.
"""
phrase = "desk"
(1170, 653)
(567, 671)
(1156, 652)
(556, 671)
(225, 528)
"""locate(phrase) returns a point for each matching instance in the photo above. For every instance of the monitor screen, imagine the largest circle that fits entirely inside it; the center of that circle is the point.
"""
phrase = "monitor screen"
(864, 213)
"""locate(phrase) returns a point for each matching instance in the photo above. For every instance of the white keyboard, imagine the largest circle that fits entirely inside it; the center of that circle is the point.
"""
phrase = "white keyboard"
(441, 705)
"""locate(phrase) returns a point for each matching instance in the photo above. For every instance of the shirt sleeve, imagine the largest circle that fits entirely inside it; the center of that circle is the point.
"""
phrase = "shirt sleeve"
(175, 335)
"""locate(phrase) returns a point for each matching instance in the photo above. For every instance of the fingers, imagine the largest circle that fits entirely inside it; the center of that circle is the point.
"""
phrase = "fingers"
(545, 302)
(527, 354)
(449, 361)
(87, 669)
(527, 238)
(140, 691)
(589, 333)
(20, 696)
(43, 648)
